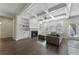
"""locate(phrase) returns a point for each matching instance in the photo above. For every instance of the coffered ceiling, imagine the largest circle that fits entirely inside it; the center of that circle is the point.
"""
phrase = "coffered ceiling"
(39, 10)
(45, 10)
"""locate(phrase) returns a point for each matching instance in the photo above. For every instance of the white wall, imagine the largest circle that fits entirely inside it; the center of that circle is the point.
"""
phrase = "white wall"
(34, 24)
(6, 27)
(51, 26)
(75, 20)
(74, 9)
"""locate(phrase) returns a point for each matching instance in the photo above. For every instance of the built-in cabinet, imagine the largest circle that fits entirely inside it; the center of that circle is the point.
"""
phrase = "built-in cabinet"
(22, 28)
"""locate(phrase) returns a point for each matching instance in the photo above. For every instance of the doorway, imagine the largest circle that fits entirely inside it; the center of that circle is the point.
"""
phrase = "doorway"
(72, 30)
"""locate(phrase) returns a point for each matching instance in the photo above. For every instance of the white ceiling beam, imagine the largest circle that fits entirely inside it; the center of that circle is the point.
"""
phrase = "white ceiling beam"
(50, 15)
(68, 9)
(54, 18)
(26, 8)
(32, 14)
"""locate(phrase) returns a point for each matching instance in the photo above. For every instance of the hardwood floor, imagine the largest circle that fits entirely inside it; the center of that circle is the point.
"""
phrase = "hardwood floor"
(37, 47)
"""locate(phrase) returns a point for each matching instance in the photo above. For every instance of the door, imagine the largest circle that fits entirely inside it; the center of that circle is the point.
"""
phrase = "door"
(0, 29)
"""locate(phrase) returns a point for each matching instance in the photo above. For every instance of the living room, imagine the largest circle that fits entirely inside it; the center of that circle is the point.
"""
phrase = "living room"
(40, 29)
(52, 22)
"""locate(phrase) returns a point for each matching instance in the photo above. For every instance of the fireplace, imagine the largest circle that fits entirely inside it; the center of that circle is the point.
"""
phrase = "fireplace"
(34, 34)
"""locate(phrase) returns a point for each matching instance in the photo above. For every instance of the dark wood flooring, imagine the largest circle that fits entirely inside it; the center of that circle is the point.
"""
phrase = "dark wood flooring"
(37, 47)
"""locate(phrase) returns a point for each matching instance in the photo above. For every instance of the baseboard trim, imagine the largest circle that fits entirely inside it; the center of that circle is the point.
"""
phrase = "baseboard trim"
(23, 39)
(11, 38)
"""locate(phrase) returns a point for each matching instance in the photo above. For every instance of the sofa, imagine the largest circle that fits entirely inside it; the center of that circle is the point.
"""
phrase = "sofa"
(54, 38)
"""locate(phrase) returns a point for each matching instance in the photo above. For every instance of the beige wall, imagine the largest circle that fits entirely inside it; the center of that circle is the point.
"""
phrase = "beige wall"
(6, 27)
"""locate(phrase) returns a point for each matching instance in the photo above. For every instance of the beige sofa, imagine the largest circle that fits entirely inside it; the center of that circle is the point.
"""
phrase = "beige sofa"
(54, 38)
